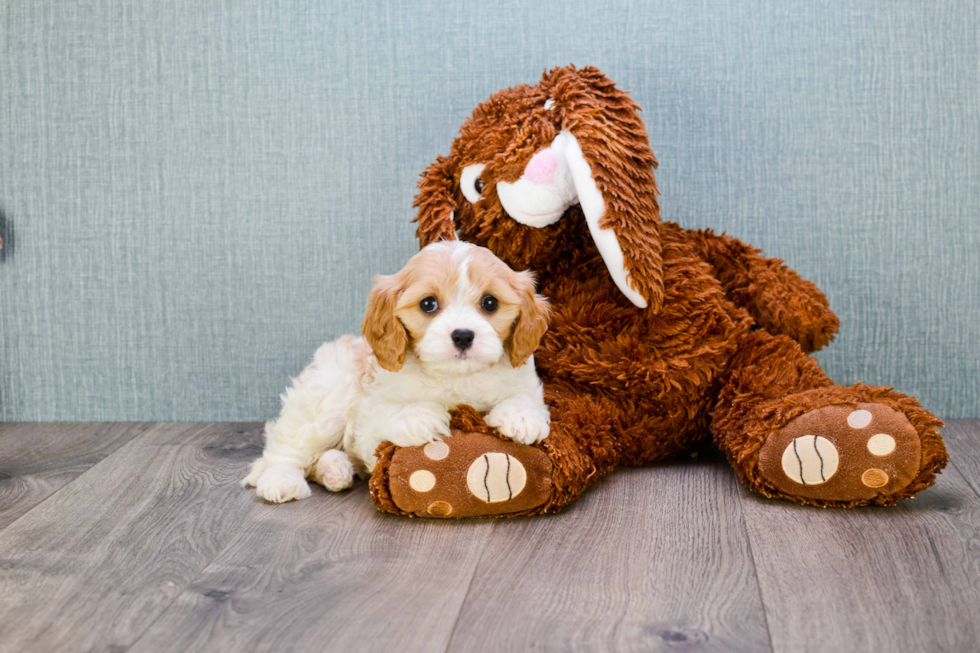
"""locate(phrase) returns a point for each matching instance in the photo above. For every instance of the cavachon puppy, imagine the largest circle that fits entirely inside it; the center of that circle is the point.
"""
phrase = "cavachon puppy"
(454, 326)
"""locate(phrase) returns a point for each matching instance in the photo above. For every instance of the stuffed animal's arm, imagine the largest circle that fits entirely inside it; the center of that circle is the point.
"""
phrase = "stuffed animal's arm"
(777, 298)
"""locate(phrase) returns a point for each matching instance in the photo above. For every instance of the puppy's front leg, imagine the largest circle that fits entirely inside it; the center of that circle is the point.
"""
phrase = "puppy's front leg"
(405, 425)
(521, 418)
(416, 424)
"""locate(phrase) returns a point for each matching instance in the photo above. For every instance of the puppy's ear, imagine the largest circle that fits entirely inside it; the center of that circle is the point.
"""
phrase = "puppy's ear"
(436, 202)
(382, 329)
(532, 322)
(611, 162)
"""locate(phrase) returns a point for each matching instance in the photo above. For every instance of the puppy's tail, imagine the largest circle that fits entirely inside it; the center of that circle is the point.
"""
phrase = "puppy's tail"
(315, 407)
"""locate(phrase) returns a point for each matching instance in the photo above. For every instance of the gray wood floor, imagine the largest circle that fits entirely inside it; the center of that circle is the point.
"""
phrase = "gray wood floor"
(136, 537)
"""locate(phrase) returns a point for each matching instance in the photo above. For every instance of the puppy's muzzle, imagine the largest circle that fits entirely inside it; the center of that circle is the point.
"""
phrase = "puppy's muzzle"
(462, 338)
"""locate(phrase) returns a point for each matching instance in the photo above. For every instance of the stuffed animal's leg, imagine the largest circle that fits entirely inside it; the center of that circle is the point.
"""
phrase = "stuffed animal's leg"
(477, 473)
(777, 298)
(790, 432)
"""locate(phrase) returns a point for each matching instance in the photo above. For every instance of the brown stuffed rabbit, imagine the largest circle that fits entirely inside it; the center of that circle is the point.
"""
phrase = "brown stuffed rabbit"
(661, 338)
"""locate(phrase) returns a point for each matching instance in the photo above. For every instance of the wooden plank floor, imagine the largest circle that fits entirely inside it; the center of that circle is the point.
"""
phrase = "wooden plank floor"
(136, 537)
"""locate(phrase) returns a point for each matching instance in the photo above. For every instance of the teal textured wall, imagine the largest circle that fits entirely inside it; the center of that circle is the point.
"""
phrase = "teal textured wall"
(194, 195)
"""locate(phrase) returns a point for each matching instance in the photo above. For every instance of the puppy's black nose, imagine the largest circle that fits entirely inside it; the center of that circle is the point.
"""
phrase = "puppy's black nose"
(462, 338)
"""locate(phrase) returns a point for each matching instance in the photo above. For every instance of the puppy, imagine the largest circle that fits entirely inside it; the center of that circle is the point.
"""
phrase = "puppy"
(455, 326)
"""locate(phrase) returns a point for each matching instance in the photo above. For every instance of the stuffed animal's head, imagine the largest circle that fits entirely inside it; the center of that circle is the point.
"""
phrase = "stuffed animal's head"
(534, 162)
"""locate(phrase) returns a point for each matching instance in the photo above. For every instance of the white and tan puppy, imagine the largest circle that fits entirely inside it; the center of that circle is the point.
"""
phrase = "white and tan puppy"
(455, 326)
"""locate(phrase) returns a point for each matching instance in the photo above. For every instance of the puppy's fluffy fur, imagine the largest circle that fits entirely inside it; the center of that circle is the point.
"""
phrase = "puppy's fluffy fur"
(431, 340)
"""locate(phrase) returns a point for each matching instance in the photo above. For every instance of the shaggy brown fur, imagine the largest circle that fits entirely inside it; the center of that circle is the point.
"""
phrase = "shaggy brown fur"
(720, 353)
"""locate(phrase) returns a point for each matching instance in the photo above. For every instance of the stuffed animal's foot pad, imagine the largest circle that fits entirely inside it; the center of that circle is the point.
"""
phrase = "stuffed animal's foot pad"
(469, 475)
(845, 452)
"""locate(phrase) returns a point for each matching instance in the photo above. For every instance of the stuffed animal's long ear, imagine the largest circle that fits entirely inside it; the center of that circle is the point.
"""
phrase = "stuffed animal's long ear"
(531, 323)
(608, 153)
(385, 333)
(436, 202)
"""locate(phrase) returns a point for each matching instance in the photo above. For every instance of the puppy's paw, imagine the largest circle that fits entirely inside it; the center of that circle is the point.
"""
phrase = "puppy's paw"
(334, 470)
(282, 483)
(254, 473)
(418, 424)
(523, 424)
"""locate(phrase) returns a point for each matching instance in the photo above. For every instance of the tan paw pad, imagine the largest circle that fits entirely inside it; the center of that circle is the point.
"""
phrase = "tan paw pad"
(875, 478)
(440, 509)
(495, 477)
(858, 419)
(436, 450)
(422, 481)
(881, 444)
(810, 460)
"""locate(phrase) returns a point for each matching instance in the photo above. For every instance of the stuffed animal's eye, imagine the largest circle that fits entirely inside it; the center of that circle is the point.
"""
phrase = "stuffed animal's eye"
(489, 303)
(470, 182)
(429, 305)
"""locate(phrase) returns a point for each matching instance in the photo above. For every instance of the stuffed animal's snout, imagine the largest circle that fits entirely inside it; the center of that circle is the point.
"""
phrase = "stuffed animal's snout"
(541, 168)
(544, 191)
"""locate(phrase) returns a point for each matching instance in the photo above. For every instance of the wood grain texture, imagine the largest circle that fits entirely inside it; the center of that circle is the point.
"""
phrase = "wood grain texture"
(330, 573)
(871, 579)
(155, 547)
(962, 438)
(36, 460)
(94, 565)
(651, 559)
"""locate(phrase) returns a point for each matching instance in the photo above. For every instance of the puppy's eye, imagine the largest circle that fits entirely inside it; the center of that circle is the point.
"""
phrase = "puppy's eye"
(489, 303)
(470, 182)
(429, 305)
